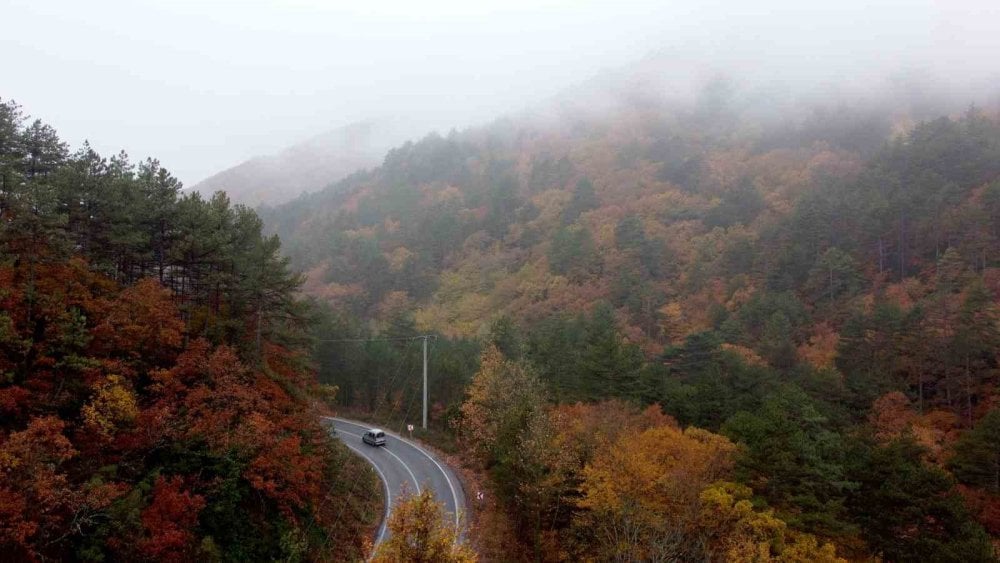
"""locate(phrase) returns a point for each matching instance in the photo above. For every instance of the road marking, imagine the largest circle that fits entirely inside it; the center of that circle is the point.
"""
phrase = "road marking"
(401, 462)
(454, 496)
(446, 478)
(388, 494)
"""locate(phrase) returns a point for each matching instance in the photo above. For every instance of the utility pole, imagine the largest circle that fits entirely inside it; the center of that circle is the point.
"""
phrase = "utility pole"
(423, 337)
(425, 382)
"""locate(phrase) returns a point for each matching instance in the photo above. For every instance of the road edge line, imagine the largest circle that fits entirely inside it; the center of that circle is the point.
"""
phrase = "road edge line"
(429, 456)
(388, 497)
(416, 483)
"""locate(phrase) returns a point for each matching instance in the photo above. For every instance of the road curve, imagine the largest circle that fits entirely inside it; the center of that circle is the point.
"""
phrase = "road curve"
(402, 463)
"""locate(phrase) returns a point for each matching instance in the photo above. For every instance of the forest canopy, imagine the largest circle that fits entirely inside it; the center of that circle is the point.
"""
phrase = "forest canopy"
(154, 379)
(815, 295)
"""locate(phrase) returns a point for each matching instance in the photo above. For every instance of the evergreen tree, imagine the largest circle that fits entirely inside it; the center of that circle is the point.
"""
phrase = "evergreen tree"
(907, 511)
(584, 199)
(794, 460)
(977, 454)
(608, 363)
(573, 255)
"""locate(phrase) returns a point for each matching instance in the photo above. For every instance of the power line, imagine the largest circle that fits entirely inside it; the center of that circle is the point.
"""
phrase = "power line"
(407, 339)
(396, 339)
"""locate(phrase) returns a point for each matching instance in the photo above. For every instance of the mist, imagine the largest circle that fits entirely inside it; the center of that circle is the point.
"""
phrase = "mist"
(205, 85)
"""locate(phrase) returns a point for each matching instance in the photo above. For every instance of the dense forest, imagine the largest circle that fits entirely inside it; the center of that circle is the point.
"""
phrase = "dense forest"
(687, 331)
(156, 400)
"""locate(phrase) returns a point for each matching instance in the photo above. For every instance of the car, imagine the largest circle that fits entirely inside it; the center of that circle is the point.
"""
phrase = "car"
(374, 437)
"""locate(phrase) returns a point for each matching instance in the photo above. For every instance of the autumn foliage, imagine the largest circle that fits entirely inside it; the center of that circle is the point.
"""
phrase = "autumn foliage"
(420, 532)
(117, 437)
(145, 412)
(821, 287)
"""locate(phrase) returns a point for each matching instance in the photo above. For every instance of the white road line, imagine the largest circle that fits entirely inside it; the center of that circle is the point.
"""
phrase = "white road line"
(388, 494)
(399, 459)
(454, 495)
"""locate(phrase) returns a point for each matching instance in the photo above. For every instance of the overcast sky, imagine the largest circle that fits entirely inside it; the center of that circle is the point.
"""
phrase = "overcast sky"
(205, 84)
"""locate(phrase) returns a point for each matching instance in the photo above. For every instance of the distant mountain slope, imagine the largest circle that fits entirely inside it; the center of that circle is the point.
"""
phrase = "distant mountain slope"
(777, 270)
(307, 166)
(674, 213)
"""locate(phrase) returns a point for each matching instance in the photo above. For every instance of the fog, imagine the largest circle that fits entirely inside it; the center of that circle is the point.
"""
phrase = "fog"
(203, 85)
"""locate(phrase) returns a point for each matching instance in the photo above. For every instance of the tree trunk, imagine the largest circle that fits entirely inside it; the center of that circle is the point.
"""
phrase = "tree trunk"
(968, 389)
(881, 256)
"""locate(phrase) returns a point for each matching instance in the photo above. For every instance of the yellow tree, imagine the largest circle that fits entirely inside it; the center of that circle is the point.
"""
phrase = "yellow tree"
(659, 495)
(503, 399)
(419, 534)
(641, 495)
(112, 406)
(731, 530)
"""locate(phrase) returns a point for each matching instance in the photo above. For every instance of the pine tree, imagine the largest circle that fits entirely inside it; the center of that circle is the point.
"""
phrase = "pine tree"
(977, 454)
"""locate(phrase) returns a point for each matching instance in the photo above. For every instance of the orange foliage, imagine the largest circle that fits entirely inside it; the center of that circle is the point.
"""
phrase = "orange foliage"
(892, 416)
(35, 499)
(746, 354)
(143, 323)
(984, 505)
(821, 350)
(168, 521)
(648, 485)
(582, 429)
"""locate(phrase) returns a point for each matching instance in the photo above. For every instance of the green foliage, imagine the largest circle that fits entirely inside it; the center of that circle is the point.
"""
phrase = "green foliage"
(907, 511)
(977, 454)
(573, 255)
(835, 274)
(379, 376)
(707, 385)
(584, 199)
(585, 358)
(738, 206)
(506, 336)
(153, 388)
(792, 271)
(795, 461)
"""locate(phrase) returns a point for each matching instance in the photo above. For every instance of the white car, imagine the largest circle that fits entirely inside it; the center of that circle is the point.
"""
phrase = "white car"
(374, 437)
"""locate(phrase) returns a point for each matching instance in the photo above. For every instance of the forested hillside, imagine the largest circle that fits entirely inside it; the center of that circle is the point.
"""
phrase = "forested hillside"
(154, 393)
(812, 292)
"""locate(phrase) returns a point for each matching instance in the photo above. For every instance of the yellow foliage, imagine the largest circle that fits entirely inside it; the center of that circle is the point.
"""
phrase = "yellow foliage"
(391, 226)
(805, 548)
(746, 354)
(550, 204)
(892, 416)
(647, 486)
(503, 395)
(673, 321)
(8, 461)
(906, 293)
(660, 494)
(398, 258)
(420, 534)
(112, 406)
(395, 303)
(737, 532)
(449, 194)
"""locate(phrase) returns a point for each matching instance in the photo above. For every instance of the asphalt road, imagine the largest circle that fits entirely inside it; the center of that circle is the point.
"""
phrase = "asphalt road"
(403, 463)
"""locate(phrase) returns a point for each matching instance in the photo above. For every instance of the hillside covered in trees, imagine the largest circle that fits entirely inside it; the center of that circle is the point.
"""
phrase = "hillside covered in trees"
(154, 392)
(809, 294)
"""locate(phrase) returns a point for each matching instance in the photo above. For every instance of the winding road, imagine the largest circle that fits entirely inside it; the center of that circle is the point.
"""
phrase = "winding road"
(403, 463)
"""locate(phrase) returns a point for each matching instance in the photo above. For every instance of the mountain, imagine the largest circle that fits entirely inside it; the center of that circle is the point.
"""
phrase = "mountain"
(307, 166)
(817, 281)
(611, 200)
